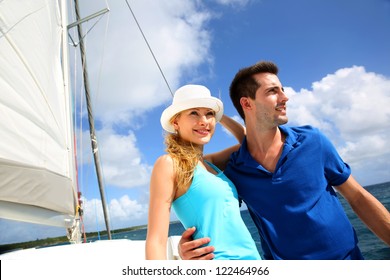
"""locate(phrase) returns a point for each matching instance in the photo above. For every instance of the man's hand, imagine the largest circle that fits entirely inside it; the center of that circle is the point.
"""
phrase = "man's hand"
(189, 248)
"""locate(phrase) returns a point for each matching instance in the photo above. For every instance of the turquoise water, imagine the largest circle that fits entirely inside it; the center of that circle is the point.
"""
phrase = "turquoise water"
(371, 246)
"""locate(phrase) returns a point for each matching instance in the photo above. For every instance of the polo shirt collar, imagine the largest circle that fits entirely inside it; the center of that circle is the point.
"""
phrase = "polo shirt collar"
(244, 157)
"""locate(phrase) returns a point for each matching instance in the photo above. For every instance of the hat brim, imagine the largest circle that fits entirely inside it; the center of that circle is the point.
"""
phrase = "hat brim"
(211, 102)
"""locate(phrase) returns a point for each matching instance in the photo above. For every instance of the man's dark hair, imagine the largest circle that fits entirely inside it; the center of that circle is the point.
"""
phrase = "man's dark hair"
(244, 85)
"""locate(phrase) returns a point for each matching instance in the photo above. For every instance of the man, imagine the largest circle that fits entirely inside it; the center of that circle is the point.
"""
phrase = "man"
(287, 176)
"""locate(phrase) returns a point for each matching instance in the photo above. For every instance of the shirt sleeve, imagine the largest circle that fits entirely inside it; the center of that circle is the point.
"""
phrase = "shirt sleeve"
(336, 170)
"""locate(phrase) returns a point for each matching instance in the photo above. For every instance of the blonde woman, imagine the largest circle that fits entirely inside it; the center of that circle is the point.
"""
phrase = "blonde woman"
(193, 184)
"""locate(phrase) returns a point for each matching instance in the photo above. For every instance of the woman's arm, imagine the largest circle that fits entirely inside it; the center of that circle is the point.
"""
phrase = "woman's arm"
(221, 158)
(161, 196)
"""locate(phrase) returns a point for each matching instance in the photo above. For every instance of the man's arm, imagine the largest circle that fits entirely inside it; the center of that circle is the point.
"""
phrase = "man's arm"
(190, 249)
(221, 158)
(367, 208)
(235, 128)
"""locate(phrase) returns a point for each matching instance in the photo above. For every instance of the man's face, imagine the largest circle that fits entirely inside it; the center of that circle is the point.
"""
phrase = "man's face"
(270, 101)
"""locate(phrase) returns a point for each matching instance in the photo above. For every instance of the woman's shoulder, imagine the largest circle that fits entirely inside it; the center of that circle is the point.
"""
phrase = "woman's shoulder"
(164, 157)
(163, 170)
(164, 162)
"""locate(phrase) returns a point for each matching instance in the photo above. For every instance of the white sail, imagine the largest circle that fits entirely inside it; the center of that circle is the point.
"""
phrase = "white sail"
(37, 167)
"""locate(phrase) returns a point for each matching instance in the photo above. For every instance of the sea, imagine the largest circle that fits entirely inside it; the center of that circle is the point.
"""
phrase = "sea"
(371, 246)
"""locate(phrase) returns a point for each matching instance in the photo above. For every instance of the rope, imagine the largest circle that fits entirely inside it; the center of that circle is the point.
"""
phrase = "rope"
(150, 49)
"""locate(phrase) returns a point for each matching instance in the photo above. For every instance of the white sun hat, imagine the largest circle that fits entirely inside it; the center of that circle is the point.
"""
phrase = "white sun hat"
(187, 97)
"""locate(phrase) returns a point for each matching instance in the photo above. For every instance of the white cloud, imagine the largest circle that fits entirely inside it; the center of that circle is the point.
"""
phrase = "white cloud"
(123, 212)
(233, 3)
(352, 107)
(120, 159)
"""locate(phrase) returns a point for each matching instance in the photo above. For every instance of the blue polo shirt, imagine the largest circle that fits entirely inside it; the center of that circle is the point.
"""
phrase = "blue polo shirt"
(295, 208)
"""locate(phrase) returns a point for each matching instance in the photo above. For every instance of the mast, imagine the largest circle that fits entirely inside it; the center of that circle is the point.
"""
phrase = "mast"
(94, 143)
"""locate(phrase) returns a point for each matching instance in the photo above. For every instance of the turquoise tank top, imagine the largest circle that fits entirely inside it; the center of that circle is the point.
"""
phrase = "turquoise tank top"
(211, 205)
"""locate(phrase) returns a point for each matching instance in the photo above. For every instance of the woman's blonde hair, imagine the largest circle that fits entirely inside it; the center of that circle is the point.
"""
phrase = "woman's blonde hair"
(185, 156)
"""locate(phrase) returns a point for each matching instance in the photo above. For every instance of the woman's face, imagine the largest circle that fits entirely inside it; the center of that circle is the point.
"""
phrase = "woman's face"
(196, 125)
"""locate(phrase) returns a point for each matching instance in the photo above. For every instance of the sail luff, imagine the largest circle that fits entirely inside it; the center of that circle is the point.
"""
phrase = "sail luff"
(73, 230)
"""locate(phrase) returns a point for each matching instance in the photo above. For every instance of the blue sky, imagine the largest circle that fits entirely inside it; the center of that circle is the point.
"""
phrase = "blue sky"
(334, 61)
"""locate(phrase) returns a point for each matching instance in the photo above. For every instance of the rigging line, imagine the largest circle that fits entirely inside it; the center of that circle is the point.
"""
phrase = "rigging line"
(150, 49)
(85, 34)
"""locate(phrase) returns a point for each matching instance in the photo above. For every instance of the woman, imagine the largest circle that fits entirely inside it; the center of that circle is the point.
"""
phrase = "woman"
(193, 183)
